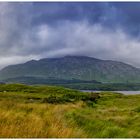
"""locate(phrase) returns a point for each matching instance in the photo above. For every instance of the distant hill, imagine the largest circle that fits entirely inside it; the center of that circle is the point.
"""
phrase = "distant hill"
(73, 67)
(51, 81)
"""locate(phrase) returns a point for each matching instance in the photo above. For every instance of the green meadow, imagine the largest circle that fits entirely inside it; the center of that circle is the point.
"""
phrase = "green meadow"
(57, 112)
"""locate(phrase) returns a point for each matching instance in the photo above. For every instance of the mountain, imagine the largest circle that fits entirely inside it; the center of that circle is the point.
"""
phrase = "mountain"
(74, 67)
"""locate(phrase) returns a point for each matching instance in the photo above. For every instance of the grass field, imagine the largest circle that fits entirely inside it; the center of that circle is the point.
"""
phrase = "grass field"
(55, 112)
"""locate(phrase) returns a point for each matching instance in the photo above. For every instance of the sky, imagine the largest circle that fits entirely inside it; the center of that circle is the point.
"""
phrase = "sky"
(35, 30)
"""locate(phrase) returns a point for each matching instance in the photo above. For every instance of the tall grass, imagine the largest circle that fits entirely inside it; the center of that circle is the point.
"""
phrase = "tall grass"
(34, 120)
(24, 114)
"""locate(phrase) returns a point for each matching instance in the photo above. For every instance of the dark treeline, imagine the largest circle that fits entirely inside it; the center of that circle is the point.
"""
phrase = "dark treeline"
(104, 86)
(75, 83)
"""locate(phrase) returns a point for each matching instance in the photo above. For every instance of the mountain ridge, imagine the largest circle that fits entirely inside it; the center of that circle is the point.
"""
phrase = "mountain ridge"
(74, 67)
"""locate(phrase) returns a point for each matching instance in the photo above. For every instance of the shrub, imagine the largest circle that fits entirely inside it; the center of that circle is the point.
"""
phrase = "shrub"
(137, 109)
(94, 96)
(51, 99)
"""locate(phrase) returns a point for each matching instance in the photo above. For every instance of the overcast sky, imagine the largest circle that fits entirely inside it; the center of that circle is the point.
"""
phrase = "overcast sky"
(40, 30)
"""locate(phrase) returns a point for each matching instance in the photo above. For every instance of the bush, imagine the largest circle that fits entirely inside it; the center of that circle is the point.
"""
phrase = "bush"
(137, 109)
(71, 97)
(51, 99)
(94, 96)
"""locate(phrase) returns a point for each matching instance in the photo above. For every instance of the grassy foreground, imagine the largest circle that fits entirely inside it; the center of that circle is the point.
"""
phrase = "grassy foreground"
(55, 112)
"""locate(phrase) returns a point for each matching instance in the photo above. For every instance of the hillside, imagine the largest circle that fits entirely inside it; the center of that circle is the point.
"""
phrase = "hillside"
(74, 67)
(56, 112)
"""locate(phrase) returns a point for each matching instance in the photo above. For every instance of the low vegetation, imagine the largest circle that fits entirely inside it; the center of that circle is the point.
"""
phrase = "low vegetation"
(103, 86)
(56, 112)
(76, 84)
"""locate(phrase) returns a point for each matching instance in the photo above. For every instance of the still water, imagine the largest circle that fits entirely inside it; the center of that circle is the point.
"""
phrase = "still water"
(123, 92)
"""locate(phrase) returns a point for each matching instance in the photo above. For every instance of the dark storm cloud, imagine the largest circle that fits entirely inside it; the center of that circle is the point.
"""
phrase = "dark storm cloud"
(52, 13)
(130, 16)
(112, 15)
(37, 30)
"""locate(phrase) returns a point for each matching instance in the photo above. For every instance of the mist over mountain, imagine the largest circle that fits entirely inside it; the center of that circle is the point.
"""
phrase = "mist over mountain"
(74, 67)
(36, 30)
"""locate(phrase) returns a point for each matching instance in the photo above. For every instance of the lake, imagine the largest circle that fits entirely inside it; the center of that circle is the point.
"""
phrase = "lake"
(123, 92)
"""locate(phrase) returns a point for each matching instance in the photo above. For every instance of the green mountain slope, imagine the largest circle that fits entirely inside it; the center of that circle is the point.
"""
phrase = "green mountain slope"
(74, 67)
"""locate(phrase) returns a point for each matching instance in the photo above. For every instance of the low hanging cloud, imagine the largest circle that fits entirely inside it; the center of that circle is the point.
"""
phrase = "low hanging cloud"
(80, 38)
(21, 39)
